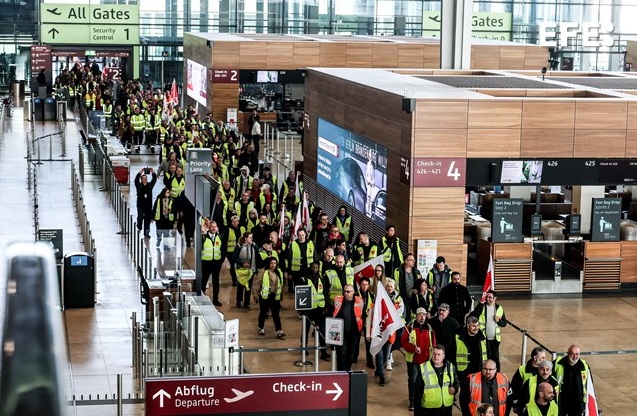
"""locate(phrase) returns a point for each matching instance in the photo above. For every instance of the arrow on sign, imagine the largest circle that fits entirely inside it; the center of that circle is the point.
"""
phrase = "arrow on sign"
(53, 32)
(303, 302)
(162, 393)
(337, 392)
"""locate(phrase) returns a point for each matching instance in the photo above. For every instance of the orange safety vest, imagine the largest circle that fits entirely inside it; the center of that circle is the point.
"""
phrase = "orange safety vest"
(359, 304)
(475, 388)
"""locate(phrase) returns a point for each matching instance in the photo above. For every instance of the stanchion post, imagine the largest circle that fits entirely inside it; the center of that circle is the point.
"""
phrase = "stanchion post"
(524, 342)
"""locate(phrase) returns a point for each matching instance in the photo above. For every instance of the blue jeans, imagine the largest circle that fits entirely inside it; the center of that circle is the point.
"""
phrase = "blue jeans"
(381, 357)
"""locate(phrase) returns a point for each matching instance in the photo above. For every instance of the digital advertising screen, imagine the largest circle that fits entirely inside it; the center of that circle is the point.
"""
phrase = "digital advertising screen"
(521, 171)
(267, 76)
(354, 169)
(197, 82)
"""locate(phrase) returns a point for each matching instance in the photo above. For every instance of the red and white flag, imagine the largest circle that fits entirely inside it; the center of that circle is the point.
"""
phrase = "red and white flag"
(367, 269)
(385, 320)
(282, 221)
(297, 223)
(174, 93)
(305, 212)
(591, 400)
(489, 281)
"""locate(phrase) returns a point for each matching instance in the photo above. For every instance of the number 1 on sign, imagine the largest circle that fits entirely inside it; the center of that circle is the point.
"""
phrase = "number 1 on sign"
(453, 171)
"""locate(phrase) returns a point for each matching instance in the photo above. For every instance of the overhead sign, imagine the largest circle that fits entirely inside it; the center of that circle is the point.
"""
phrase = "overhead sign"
(89, 24)
(484, 25)
(261, 394)
(605, 219)
(507, 220)
(199, 161)
(428, 172)
(303, 297)
(40, 58)
(223, 76)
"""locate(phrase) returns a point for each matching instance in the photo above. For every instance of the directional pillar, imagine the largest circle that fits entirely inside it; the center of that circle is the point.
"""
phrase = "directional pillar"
(455, 34)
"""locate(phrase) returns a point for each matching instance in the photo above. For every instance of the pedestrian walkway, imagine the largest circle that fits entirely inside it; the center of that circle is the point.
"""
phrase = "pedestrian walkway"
(99, 339)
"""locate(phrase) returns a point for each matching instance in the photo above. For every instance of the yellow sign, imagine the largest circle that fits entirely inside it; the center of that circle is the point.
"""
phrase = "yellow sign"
(484, 25)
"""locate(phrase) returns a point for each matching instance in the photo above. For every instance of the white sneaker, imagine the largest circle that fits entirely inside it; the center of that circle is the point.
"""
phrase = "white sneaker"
(389, 362)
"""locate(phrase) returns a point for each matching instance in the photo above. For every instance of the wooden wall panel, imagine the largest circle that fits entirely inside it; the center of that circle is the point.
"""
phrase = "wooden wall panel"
(441, 114)
(440, 143)
(225, 55)
(500, 114)
(411, 55)
(485, 57)
(629, 262)
(443, 228)
(493, 143)
(535, 57)
(631, 143)
(602, 250)
(333, 54)
(631, 123)
(253, 55)
(280, 55)
(432, 202)
(359, 55)
(601, 115)
(385, 55)
(512, 251)
(306, 54)
(548, 114)
(224, 96)
(511, 56)
(600, 143)
(431, 57)
(546, 143)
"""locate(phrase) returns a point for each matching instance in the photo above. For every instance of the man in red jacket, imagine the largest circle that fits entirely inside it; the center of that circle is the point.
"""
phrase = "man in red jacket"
(418, 341)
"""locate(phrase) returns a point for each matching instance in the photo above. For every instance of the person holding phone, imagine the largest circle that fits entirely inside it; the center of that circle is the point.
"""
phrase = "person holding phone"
(144, 188)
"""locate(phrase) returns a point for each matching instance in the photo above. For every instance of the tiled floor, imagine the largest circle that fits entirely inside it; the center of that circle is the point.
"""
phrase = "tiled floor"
(99, 339)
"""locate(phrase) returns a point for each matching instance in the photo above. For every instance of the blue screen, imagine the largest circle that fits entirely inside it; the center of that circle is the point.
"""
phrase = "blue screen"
(79, 261)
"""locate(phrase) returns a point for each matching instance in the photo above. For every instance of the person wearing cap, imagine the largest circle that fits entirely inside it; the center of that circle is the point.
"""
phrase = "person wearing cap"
(265, 253)
(438, 277)
(417, 340)
(491, 318)
(444, 326)
(266, 196)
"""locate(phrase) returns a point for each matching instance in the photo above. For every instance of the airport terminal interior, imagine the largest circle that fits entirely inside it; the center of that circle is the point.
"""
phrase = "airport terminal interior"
(555, 82)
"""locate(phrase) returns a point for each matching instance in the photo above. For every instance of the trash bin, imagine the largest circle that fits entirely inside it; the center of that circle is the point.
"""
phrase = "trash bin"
(38, 109)
(17, 87)
(28, 110)
(78, 280)
(49, 109)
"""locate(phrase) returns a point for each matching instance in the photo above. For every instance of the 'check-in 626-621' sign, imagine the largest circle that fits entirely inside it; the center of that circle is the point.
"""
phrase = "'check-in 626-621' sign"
(438, 172)
(260, 394)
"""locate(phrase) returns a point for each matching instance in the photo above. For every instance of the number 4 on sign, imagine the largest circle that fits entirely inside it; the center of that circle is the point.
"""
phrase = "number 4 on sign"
(453, 171)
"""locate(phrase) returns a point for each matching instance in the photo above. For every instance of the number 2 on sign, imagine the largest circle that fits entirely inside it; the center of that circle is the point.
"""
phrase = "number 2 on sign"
(453, 171)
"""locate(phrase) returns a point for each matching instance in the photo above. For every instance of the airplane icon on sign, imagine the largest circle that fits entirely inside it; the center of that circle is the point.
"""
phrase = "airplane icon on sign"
(239, 395)
(54, 11)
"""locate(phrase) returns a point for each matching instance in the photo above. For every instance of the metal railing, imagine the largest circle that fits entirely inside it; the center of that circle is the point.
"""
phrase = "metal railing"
(281, 159)
(80, 207)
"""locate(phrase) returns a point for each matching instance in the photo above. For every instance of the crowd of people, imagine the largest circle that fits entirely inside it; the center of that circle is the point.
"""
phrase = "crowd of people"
(451, 348)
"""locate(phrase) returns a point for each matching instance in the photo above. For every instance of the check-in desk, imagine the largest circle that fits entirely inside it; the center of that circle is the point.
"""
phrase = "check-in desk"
(162, 288)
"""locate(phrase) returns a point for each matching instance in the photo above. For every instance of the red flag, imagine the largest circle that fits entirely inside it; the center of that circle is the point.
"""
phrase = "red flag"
(591, 400)
(489, 281)
(385, 320)
(367, 269)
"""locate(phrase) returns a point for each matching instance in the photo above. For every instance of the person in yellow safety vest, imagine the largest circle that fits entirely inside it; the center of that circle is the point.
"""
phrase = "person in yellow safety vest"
(435, 386)
(337, 277)
(389, 247)
(364, 250)
(211, 258)
(265, 253)
(176, 183)
(572, 374)
(529, 388)
(89, 100)
(139, 123)
(267, 196)
(348, 307)
(153, 127)
(418, 340)
(107, 108)
(487, 386)
(231, 238)
(344, 223)
(316, 315)
(491, 318)
(269, 179)
(300, 254)
(164, 210)
(267, 290)
(545, 404)
(72, 93)
(525, 372)
(228, 193)
(468, 352)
